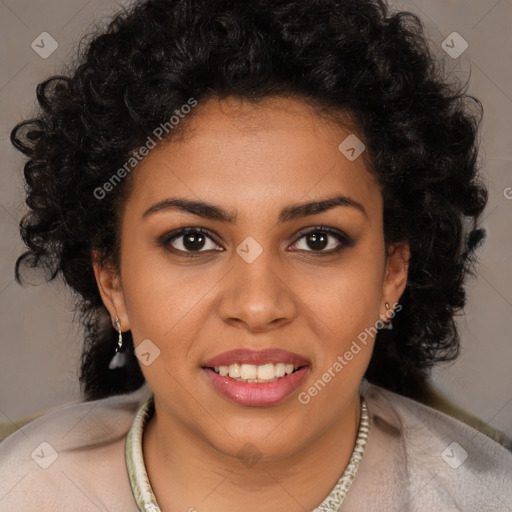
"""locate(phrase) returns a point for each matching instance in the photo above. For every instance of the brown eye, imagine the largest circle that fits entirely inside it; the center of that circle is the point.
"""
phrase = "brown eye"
(317, 241)
(323, 241)
(193, 241)
(190, 240)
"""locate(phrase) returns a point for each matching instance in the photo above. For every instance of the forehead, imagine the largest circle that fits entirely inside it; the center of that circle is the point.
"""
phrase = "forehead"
(271, 151)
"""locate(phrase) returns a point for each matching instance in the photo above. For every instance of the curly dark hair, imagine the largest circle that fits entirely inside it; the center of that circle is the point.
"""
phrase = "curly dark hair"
(351, 56)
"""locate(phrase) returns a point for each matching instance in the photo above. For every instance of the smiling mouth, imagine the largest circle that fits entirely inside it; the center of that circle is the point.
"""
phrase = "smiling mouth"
(251, 373)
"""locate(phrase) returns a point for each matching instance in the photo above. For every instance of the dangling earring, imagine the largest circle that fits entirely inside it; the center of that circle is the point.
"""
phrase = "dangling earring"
(388, 324)
(119, 358)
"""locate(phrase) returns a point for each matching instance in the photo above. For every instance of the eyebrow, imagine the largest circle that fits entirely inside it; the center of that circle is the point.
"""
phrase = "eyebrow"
(287, 214)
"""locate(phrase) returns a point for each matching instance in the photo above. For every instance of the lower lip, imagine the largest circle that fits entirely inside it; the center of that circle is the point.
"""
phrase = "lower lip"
(257, 393)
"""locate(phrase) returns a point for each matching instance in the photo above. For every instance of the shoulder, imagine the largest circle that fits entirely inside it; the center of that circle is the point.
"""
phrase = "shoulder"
(74, 454)
(447, 463)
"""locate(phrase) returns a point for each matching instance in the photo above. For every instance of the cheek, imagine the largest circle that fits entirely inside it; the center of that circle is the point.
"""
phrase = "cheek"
(346, 304)
(166, 302)
(159, 302)
(149, 291)
(346, 312)
(346, 298)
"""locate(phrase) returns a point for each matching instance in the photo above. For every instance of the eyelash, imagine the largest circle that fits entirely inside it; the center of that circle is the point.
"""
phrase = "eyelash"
(345, 240)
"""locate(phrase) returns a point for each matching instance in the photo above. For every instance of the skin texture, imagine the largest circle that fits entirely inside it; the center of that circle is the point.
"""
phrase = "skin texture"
(252, 160)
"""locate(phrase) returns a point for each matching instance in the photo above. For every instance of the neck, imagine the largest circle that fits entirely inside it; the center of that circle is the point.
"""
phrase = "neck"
(187, 473)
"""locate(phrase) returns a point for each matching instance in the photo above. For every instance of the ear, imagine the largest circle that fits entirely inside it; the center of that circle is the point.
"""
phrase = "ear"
(111, 291)
(395, 275)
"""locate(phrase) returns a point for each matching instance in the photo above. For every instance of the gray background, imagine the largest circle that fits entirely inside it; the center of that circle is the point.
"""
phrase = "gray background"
(40, 344)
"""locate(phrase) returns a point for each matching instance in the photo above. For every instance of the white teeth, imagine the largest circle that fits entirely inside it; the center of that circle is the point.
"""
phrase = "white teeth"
(252, 373)
(280, 369)
(248, 371)
(234, 370)
(266, 372)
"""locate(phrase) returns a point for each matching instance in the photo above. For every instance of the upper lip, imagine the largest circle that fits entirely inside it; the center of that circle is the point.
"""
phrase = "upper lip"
(256, 357)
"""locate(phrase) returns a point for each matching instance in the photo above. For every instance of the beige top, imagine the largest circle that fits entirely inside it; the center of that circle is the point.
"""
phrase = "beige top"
(416, 460)
(146, 500)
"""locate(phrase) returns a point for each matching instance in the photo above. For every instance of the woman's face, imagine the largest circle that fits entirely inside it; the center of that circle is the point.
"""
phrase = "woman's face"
(261, 275)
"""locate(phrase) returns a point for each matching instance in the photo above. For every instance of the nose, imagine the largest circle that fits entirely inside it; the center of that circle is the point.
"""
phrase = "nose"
(256, 296)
